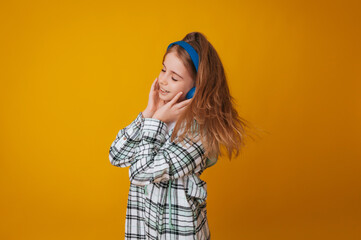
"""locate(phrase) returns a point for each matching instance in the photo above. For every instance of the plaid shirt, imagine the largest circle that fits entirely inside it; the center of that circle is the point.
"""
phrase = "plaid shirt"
(167, 199)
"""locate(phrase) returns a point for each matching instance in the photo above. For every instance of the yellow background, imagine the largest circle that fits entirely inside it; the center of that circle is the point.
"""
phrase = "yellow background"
(73, 73)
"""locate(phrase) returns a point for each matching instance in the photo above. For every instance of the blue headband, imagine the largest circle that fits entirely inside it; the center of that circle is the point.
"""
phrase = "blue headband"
(191, 51)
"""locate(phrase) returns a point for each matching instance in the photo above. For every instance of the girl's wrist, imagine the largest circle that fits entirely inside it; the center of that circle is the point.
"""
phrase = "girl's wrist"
(156, 117)
(147, 114)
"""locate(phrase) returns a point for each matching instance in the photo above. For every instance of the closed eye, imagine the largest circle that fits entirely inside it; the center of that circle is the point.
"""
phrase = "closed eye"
(172, 78)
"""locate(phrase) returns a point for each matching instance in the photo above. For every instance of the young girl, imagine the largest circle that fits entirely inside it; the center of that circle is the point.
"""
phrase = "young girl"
(174, 140)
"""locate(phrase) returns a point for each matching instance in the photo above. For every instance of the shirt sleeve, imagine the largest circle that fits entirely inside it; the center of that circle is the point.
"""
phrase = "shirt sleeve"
(121, 151)
(156, 160)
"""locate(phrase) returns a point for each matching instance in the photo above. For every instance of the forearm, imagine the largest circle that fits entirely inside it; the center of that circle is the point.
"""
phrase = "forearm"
(156, 160)
(122, 148)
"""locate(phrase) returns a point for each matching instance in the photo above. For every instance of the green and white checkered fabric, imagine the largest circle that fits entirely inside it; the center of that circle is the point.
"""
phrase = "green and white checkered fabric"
(167, 199)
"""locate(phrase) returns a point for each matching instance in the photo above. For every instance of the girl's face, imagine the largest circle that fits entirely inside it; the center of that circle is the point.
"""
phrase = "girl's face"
(174, 78)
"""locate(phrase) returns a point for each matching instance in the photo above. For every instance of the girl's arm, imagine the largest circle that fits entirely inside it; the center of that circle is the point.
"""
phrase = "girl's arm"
(122, 149)
(156, 161)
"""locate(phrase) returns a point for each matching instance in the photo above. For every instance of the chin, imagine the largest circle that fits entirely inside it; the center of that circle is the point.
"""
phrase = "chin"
(166, 98)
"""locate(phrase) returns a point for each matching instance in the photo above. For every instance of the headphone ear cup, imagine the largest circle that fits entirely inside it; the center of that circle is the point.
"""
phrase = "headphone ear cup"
(190, 94)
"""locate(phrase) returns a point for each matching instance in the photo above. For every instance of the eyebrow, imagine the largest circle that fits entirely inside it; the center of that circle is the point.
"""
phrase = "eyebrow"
(174, 72)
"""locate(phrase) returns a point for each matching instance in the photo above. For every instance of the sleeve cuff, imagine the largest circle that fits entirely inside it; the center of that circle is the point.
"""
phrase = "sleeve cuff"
(139, 121)
(132, 131)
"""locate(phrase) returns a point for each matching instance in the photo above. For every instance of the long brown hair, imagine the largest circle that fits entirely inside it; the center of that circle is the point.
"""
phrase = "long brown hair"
(212, 107)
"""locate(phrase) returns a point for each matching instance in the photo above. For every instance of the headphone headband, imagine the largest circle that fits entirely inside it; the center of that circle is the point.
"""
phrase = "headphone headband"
(191, 51)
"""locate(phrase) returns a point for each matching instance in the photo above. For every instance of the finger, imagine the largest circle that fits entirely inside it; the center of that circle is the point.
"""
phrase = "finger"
(157, 84)
(155, 89)
(175, 98)
(154, 84)
(183, 109)
(183, 103)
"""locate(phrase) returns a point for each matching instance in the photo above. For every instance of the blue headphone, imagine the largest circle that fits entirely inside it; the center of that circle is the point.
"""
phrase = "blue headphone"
(195, 58)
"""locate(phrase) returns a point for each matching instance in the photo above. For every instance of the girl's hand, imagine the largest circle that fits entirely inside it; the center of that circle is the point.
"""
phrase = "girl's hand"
(154, 101)
(171, 110)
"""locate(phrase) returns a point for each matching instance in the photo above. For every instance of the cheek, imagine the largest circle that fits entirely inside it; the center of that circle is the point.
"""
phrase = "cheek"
(179, 88)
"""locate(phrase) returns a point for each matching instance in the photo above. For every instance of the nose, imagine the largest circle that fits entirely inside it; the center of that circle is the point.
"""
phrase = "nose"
(163, 81)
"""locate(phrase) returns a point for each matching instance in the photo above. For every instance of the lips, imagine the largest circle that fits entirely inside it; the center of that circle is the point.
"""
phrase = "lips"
(163, 90)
